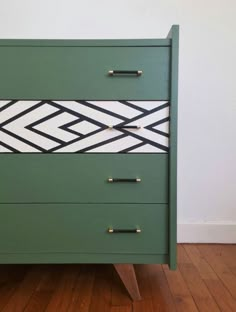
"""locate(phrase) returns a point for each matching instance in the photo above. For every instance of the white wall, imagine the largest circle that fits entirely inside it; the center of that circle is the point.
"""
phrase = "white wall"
(207, 101)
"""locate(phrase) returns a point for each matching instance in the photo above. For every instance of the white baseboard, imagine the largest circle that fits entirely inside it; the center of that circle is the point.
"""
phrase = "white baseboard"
(206, 233)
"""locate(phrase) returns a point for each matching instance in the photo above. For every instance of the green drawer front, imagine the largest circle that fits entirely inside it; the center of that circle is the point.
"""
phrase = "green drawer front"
(70, 73)
(83, 178)
(36, 228)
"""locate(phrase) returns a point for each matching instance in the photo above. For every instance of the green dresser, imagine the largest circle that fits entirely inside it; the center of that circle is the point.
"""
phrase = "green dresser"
(88, 150)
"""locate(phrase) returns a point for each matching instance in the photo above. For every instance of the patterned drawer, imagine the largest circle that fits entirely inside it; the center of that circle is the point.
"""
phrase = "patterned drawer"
(83, 178)
(66, 72)
(84, 126)
(59, 228)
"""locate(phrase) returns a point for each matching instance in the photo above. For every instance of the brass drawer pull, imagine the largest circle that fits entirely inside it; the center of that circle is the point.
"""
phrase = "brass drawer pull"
(124, 127)
(115, 180)
(125, 72)
(121, 231)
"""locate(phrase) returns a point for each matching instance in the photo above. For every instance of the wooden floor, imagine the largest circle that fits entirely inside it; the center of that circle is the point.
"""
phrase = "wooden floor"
(205, 281)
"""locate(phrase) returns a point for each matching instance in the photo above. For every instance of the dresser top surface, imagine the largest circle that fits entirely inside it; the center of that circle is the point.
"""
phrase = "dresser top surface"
(85, 42)
(152, 42)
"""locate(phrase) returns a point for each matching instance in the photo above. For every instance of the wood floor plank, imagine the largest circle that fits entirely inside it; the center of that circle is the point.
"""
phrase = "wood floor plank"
(10, 278)
(82, 294)
(217, 289)
(182, 256)
(61, 297)
(101, 297)
(41, 297)
(162, 299)
(122, 309)
(182, 297)
(220, 268)
(204, 269)
(24, 291)
(228, 254)
(199, 291)
(143, 305)
(223, 298)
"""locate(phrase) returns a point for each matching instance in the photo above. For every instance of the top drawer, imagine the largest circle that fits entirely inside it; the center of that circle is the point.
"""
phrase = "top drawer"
(70, 73)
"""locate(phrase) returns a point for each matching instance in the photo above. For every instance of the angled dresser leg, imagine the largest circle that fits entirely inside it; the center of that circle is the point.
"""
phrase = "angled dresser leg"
(128, 277)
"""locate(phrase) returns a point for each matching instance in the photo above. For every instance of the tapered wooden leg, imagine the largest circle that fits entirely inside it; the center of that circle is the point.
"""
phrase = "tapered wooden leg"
(128, 277)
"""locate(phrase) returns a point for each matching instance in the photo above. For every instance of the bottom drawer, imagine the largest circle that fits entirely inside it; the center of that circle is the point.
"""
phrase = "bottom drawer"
(40, 228)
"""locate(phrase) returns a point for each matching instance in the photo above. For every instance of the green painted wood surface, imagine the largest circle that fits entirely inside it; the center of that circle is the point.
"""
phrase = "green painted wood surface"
(86, 42)
(82, 178)
(70, 73)
(174, 35)
(70, 257)
(55, 228)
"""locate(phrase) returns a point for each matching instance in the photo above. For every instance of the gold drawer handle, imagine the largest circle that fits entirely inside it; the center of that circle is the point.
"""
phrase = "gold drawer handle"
(125, 72)
(122, 231)
(115, 180)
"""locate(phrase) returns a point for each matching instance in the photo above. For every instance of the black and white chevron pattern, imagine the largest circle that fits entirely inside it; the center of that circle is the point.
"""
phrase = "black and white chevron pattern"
(84, 126)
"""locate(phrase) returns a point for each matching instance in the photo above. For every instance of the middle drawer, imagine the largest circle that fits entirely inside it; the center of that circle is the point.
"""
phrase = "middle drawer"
(84, 178)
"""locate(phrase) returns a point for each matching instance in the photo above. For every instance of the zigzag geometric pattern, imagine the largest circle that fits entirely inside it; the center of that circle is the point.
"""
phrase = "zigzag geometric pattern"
(84, 126)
